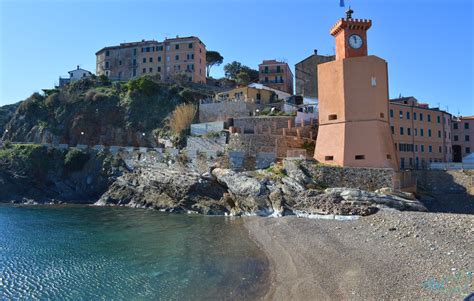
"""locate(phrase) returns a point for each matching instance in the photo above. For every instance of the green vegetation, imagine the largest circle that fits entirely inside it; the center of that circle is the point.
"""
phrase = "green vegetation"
(75, 160)
(236, 70)
(28, 159)
(213, 58)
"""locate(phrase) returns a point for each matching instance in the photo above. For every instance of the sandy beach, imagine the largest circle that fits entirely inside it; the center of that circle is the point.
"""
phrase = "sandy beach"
(389, 255)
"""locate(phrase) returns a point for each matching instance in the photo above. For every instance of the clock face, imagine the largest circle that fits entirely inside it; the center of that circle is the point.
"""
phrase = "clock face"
(355, 41)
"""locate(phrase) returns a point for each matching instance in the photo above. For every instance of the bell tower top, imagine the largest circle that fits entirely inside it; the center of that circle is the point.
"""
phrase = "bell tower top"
(351, 36)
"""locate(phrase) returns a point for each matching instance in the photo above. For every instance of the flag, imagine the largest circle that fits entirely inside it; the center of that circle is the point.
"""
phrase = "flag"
(341, 3)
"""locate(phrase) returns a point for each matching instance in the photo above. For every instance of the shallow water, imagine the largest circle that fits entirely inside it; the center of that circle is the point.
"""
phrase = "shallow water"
(86, 253)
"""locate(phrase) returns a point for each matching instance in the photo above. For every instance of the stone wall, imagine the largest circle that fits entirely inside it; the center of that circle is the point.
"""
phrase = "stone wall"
(241, 161)
(210, 146)
(445, 181)
(252, 144)
(266, 124)
(351, 177)
(221, 111)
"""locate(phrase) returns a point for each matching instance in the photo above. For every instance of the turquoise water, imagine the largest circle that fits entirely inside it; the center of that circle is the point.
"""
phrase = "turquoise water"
(94, 253)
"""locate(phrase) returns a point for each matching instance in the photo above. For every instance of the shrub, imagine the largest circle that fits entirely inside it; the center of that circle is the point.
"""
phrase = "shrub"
(75, 160)
(182, 117)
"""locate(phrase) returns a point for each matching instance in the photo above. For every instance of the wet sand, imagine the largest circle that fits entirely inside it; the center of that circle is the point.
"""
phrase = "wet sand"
(389, 255)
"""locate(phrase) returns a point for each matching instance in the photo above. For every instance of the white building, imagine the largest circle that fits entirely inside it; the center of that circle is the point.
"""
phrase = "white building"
(74, 75)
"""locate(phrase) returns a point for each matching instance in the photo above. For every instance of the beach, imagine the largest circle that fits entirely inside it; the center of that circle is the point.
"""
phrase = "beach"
(389, 255)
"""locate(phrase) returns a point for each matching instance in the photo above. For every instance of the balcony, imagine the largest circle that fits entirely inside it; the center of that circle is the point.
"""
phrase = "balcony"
(272, 81)
(272, 71)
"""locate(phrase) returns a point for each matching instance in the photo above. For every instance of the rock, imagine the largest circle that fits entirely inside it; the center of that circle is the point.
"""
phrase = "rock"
(168, 190)
(294, 170)
(276, 201)
(248, 193)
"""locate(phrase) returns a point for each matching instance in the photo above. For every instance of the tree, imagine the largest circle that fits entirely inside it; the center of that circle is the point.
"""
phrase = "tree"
(243, 78)
(213, 58)
(232, 69)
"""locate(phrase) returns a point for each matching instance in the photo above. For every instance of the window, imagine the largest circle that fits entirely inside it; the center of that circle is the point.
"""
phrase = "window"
(360, 157)
(150, 70)
(439, 134)
(266, 79)
(190, 45)
(455, 138)
(409, 131)
(153, 49)
(266, 69)
(176, 46)
(401, 114)
(278, 69)
(408, 115)
(134, 72)
(414, 115)
(382, 115)
(167, 47)
(106, 65)
(430, 148)
(167, 58)
(151, 60)
(389, 157)
(107, 53)
(416, 131)
(391, 113)
(468, 150)
(120, 63)
(422, 147)
(429, 132)
(159, 59)
(455, 125)
(143, 49)
(328, 158)
(144, 70)
(144, 59)
(332, 117)
(158, 69)
(466, 138)
(160, 48)
(421, 116)
(429, 118)
(416, 147)
(135, 51)
(393, 129)
(438, 118)
(401, 130)
(440, 149)
(421, 133)
(176, 58)
(466, 126)
(134, 62)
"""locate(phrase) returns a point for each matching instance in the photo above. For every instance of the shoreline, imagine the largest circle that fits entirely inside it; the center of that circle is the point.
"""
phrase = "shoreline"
(389, 255)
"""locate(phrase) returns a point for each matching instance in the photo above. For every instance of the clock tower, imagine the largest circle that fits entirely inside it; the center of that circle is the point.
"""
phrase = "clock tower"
(354, 127)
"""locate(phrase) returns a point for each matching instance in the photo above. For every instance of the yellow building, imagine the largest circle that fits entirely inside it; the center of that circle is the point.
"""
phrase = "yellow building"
(249, 94)
(186, 56)
(421, 134)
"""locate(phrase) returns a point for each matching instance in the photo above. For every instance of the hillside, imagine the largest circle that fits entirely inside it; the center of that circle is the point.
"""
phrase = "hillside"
(95, 111)
(6, 113)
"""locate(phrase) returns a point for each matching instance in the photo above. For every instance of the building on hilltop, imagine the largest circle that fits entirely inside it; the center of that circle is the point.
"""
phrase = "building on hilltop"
(276, 75)
(354, 128)
(463, 137)
(421, 134)
(306, 73)
(180, 55)
(74, 75)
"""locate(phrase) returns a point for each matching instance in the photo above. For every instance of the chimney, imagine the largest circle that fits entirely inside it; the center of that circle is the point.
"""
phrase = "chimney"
(77, 67)
(316, 51)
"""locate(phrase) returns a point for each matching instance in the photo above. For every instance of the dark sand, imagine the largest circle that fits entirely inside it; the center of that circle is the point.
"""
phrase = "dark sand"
(389, 255)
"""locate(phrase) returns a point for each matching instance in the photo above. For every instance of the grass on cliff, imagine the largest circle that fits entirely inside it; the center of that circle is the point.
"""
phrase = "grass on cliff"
(28, 159)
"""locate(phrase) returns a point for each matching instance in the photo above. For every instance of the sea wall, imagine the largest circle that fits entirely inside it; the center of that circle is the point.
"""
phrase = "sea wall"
(445, 181)
(351, 177)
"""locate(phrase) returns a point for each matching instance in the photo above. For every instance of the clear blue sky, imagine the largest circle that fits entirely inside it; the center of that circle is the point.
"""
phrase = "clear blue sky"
(428, 43)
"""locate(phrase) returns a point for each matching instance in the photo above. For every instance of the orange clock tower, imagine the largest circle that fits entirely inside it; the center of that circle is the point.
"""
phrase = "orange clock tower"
(354, 128)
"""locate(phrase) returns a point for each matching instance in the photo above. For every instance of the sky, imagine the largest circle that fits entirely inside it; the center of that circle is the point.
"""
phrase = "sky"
(428, 44)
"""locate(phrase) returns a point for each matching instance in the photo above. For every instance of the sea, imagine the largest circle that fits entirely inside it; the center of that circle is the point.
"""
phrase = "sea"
(68, 252)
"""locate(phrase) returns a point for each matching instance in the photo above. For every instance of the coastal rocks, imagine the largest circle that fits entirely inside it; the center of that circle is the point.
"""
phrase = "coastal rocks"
(168, 190)
(396, 200)
(317, 202)
(248, 193)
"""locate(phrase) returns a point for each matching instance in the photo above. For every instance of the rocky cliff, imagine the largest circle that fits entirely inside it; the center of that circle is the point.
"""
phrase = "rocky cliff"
(32, 173)
(95, 111)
